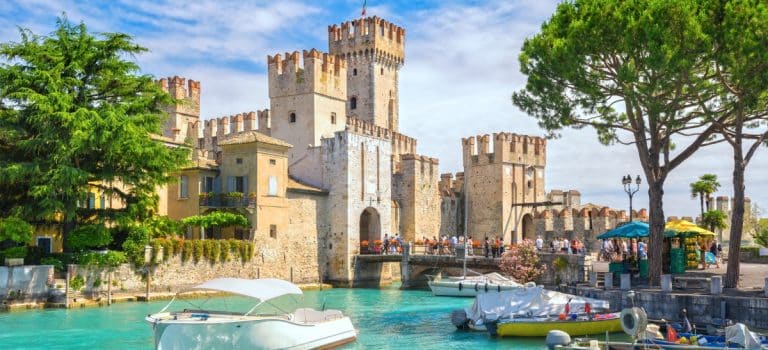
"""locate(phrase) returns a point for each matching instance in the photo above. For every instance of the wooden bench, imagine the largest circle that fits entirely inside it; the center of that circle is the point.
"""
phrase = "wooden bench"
(682, 281)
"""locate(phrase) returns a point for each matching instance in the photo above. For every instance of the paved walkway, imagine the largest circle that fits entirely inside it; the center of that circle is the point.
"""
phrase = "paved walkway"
(752, 275)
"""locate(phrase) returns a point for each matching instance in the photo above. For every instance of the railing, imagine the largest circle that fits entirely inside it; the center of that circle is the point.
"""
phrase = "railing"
(226, 202)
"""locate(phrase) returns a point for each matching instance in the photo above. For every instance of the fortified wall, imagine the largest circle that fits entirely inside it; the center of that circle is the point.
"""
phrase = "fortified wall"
(183, 120)
(416, 197)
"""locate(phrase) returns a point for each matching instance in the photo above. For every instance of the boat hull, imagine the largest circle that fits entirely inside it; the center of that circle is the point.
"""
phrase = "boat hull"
(522, 328)
(266, 333)
(466, 289)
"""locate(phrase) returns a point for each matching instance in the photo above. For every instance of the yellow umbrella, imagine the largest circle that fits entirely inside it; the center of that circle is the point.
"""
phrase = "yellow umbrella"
(687, 226)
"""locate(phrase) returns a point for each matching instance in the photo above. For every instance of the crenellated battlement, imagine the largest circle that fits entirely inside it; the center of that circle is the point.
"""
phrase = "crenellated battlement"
(215, 129)
(371, 37)
(507, 148)
(175, 87)
(309, 72)
(402, 144)
(450, 186)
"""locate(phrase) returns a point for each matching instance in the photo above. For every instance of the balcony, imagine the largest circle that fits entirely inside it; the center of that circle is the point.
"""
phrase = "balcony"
(220, 201)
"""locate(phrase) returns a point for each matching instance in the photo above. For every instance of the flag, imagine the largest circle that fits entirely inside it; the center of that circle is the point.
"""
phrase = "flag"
(363, 13)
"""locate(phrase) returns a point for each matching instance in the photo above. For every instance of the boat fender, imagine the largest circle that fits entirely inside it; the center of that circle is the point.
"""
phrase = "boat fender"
(557, 337)
(460, 287)
(634, 321)
(476, 289)
(486, 287)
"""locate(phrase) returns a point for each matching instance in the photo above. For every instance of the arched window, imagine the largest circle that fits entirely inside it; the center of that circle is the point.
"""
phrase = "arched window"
(293, 118)
(353, 103)
(354, 71)
(382, 71)
(333, 118)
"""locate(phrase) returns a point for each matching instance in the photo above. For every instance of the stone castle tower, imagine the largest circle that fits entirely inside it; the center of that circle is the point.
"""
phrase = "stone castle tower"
(307, 102)
(504, 186)
(375, 51)
(183, 121)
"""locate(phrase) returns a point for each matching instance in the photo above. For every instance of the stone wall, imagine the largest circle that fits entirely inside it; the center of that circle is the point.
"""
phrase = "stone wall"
(701, 308)
(416, 192)
(31, 281)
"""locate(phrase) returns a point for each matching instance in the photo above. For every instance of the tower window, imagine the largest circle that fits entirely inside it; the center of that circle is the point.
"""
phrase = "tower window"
(293, 118)
(333, 118)
(272, 231)
(354, 71)
(353, 103)
(382, 71)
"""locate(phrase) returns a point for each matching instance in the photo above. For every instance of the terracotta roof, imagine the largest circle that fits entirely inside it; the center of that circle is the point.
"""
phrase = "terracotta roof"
(295, 185)
(251, 136)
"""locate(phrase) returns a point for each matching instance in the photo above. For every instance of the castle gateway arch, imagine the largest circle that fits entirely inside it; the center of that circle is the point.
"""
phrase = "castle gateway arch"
(370, 225)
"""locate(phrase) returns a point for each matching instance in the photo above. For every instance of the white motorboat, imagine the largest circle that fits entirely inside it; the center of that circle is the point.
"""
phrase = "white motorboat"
(207, 329)
(470, 286)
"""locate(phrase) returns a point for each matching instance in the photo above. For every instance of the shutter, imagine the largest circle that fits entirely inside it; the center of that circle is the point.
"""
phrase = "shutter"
(230, 184)
(245, 187)
(217, 185)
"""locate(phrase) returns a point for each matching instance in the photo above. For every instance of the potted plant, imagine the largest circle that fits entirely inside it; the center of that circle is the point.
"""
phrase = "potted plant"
(14, 256)
(203, 197)
(252, 198)
(234, 198)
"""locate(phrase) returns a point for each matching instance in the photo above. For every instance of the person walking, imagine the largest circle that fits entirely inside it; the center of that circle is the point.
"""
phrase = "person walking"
(539, 244)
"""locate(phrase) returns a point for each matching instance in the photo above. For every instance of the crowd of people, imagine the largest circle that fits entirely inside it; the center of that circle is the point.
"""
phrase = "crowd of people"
(622, 249)
(560, 245)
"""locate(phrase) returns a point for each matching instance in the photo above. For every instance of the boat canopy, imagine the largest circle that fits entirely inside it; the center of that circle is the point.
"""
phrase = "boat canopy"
(263, 289)
(527, 302)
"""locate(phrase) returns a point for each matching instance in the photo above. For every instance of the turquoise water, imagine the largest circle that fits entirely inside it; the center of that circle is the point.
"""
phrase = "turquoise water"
(385, 319)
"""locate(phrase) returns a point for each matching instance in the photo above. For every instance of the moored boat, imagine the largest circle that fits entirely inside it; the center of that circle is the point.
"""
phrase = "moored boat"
(539, 327)
(471, 286)
(209, 329)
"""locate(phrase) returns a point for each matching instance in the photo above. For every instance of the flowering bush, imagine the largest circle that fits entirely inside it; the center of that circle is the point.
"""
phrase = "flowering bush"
(419, 242)
(377, 242)
(522, 263)
(475, 244)
(364, 243)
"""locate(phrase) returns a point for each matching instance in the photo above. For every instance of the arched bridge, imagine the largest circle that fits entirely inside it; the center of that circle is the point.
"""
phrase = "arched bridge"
(373, 269)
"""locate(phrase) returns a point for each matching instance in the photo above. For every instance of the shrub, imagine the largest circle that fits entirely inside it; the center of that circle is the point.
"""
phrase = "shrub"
(522, 263)
(109, 259)
(77, 283)
(178, 245)
(186, 251)
(97, 282)
(89, 236)
(197, 250)
(15, 252)
(56, 263)
(138, 236)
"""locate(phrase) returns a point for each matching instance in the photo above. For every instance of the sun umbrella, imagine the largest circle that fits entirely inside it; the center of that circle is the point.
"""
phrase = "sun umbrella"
(685, 226)
(634, 229)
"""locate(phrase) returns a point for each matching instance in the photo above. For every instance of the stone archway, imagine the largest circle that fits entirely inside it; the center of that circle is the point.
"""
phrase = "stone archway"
(370, 225)
(529, 232)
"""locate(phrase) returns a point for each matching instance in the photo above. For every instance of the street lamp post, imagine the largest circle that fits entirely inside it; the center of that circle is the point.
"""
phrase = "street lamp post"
(627, 182)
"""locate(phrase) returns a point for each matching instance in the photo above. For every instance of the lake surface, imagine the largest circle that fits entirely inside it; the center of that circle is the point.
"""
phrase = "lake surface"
(385, 319)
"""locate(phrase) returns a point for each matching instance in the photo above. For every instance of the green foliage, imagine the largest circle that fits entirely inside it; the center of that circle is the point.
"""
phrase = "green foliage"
(76, 283)
(216, 218)
(714, 219)
(77, 115)
(15, 252)
(225, 249)
(89, 236)
(560, 263)
(704, 188)
(212, 250)
(155, 244)
(235, 195)
(761, 237)
(197, 250)
(110, 259)
(186, 252)
(56, 263)
(16, 230)
(97, 282)
(163, 226)
(138, 237)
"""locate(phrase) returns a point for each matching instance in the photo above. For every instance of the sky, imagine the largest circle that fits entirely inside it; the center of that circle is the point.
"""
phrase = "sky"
(460, 70)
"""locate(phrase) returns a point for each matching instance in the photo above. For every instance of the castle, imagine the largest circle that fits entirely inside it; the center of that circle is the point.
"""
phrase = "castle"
(326, 166)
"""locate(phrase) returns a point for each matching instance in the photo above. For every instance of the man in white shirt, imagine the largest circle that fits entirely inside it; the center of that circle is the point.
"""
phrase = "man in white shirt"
(539, 244)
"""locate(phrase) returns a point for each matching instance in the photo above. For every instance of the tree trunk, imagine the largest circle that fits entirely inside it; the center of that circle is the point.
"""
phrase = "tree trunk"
(737, 216)
(69, 226)
(701, 198)
(656, 222)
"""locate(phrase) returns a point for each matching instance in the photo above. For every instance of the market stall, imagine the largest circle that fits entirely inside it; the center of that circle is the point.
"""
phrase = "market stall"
(620, 263)
(688, 245)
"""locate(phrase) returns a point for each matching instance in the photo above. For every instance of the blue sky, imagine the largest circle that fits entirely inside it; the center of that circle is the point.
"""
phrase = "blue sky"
(460, 70)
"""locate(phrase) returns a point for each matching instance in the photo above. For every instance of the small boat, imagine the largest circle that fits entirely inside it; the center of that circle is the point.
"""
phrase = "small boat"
(579, 325)
(527, 303)
(471, 286)
(303, 328)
